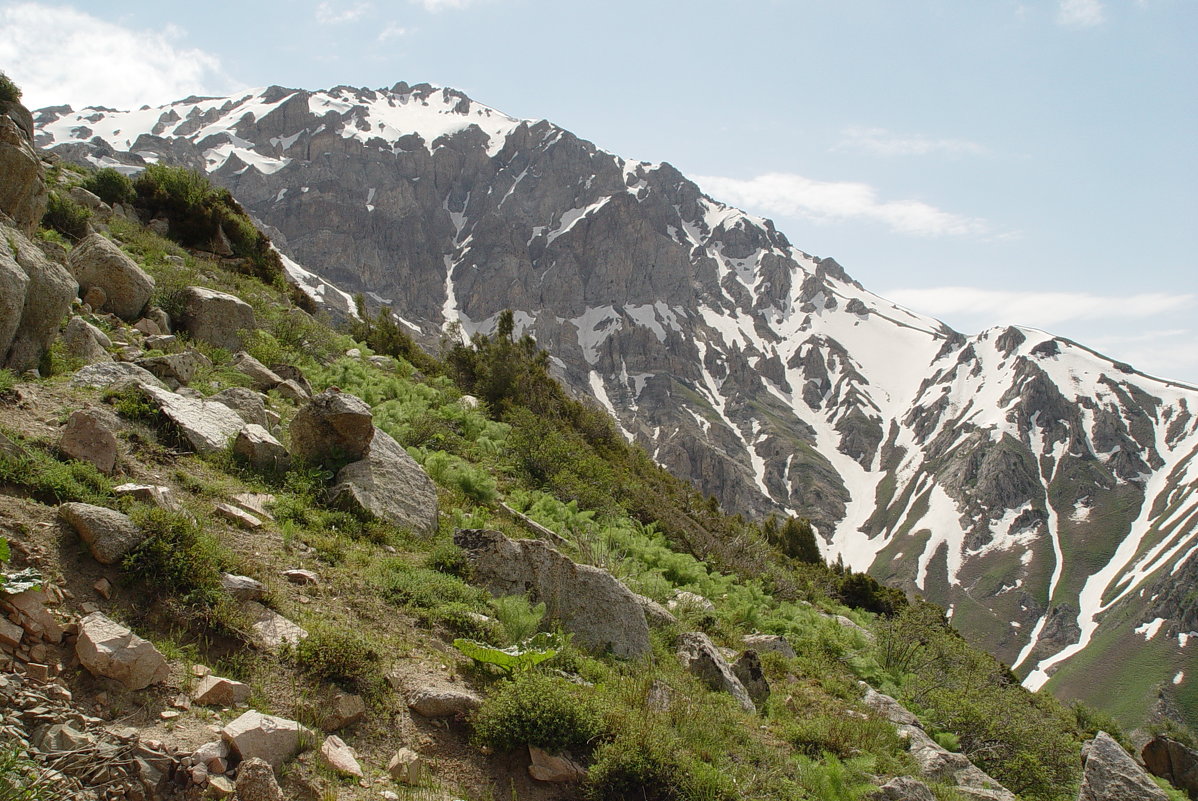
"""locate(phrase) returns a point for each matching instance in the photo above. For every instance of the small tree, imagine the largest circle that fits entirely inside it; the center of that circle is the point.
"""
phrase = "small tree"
(9, 91)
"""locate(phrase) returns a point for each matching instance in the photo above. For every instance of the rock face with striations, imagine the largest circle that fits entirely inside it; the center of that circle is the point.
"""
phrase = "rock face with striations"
(1110, 774)
(602, 613)
(959, 468)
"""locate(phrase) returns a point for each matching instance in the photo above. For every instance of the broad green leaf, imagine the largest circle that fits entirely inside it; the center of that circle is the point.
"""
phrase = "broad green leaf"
(27, 579)
(523, 656)
(5, 554)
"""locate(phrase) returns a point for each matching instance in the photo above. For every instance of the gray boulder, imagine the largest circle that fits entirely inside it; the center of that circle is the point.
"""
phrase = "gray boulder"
(1110, 774)
(941, 765)
(248, 404)
(602, 613)
(108, 533)
(106, 648)
(106, 374)
(747, 669)
(96, 261)
(388, 484)
(216, 317)
(206, 425)
(23, 190)
(38, 301)
(334, 426)
(82, 340)
(269, 738)
(701, 658)
(88, 437)
(903, 788)
(769, 642)
(260, 450)
(242, 588)
(261, 377)
(442, 702)
(1172, 761)
(176, 369)
(256, 782)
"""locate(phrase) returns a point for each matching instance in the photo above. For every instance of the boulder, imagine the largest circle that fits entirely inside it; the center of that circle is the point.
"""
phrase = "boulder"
(152, 494)
(87, 199)
(108, 533)
(83, 341)
(35, 292)
(176, 369)
(655, 614)
(216, 317)
(23, 190)
(341, 710)
(249, 404)
(106, 648)
(407, 767)
(747, 668)
(545, 767)
(335, 426)
(104, 375)
(266, 737)
(442, 702)
(216, 691)
(256, 782)
(339, 756)
(701, 658)
(944, 766)
(292, 391)
(33, 617)
(903, 788)
(206, 425)
(1110, 774)
(261, 377)
(602, 613)
(684, 600)
(388, 484)
(1173, 762)
(289, 372)
(242, 588)
(88, 437)
(888, 708)
(260, 450)
(96, 261)
(769, 642)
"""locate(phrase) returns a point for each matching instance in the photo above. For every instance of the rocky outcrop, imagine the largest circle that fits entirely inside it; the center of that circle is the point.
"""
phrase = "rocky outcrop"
(97, 262)
(35, 295)
(108, 649)
(1110, 774)
(217, 318)
(23, 190)
(388, 484)
(701, 658)
(602, 613)
(206, 425)
(1173, 762)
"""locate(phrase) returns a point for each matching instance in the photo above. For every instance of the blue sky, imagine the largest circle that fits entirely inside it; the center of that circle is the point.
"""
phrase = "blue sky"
(984, 161)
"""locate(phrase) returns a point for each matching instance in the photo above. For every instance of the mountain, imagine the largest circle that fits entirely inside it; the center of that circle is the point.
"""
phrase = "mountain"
(1044, 494)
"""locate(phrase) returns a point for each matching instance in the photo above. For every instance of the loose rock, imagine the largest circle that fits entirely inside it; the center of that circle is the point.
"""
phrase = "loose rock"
(96, 261)
(339, 756)
(216, 317)
(109, 534)
(701, 658)
(335, 426)
(88, 438)
(266, 737)
(1110, 774)
(256, 782)
(388, 484)
(106, 648)
(442, 702)
(216, 691)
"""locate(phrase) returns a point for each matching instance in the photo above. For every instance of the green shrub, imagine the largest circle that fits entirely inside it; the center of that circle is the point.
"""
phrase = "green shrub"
(647, 763)
(340, 656)
(20, 778)
(179, 559)
(421, 588)
(110, 186)
(843, 735)
(9, 91)
(8, 380)
(66, 217)
(540, 710)
(51, 481)
(833, 780)
(445, 557)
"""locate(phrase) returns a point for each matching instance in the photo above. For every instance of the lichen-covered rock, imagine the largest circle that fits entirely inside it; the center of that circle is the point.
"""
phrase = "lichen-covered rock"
(83, 341)
(769, 642)
(97, 262)
(248, 404)
(260, 450)
(1172, 761)
(206, 425)
(388, 484)
(23, 190)
(602, 613)
(176, 369)
(106, 648)
(217, 318)
(903, 788)
(747, 668)
(106, 374)
(256, 781)
(442, 702)
(36, 293)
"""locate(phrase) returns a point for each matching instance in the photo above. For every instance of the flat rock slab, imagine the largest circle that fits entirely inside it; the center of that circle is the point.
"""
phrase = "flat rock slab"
(106, 648)
(108, 533)
(216, 691)
(206, 425)
(106, 374)
(270, 629)
(442, 702)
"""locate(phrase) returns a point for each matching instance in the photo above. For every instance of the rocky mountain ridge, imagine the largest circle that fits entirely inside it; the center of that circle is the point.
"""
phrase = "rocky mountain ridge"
(1042, 493)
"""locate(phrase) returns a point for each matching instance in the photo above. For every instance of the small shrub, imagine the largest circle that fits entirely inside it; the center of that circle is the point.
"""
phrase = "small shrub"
(446, 557)
(833, 780)
(948, 741)
(179, 559)
(110, 186)
(8, 380)
(422, 588)
(534, 709)
(341, 656)
(646, 762)
(519, 619)
(66, 217)
(9, 91)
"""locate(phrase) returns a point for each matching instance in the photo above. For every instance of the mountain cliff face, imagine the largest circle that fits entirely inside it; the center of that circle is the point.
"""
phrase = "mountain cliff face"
(1044, 494)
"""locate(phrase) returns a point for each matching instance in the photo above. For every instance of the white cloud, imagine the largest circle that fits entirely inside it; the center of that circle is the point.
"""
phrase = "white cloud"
(391, 31)
(441, 5)
(881, 142)
(790, 195)
(335, 14)
(1080, 13)
(987, 307)
(59, 55)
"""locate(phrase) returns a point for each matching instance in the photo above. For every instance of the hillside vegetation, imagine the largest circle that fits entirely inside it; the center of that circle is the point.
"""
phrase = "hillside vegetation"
(508, 450)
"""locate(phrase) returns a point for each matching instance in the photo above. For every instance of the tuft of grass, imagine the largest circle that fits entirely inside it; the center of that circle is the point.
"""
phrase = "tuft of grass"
(51, 481)
(341, 656)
